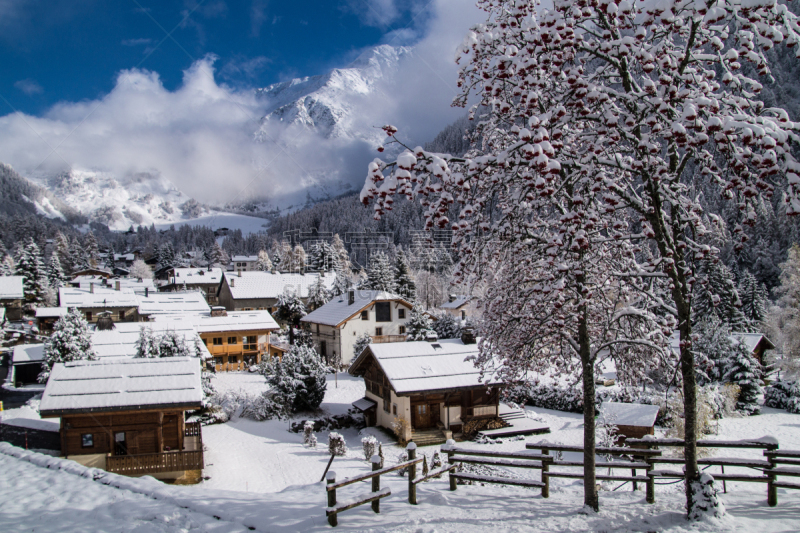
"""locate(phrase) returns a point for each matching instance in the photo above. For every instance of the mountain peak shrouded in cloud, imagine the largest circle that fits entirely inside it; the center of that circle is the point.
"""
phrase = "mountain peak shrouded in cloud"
(229, 144)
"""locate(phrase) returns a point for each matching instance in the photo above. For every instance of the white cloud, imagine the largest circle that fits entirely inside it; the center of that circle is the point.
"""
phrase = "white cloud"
(379, 13)
(29, 87)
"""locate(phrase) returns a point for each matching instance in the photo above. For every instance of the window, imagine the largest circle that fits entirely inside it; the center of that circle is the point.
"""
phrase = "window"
(402, 330)
(232, 360)
(323, 348)
(122, 314)
(364, 315)
(87, 440)
(250, 342)
(378, 332)
(401, 313)
(218, 361)
(217, 341)
(250, 360)
(386, 405)
(233, 340)
(317, 329)
(383, 311)
(88, 316)
(463, 315)
(394, 409)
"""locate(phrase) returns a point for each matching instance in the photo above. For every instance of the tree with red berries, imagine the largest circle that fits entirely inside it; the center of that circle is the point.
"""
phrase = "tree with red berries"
(643, 100)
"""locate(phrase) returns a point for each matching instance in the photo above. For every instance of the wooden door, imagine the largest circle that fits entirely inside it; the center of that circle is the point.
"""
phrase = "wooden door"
(435, 415)
(421, 416)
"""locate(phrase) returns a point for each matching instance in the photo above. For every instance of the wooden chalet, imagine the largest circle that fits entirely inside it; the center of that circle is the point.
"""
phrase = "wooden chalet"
(127, 416)
(431, 385)
(12, 296)
(633, 420)
(757, 343)
(235, 340)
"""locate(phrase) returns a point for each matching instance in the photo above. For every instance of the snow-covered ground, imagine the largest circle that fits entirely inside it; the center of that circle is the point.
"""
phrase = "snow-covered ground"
(261, 476)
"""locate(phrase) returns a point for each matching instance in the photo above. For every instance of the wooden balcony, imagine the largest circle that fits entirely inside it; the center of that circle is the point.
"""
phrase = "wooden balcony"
(380, 339)
(190, 458)
(238, 349)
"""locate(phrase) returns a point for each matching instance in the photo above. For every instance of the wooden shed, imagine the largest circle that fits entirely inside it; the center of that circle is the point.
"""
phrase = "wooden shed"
(633, 420)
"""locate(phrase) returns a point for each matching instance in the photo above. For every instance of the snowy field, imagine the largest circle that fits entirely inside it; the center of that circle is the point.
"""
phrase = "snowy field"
(261, 476)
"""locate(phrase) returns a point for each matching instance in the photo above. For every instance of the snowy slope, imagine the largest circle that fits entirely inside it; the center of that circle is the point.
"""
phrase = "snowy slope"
(329, 103)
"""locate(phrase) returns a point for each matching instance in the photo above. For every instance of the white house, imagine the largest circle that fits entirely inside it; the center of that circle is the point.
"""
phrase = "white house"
(461, 307)
(245, 263)
(336, 325)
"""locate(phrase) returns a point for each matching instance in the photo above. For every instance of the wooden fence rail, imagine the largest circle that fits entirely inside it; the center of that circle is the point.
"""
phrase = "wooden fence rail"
(134, 465)
(376, 494)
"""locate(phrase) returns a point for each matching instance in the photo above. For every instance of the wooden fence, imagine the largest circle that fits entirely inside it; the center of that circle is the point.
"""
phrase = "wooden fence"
(376, 494)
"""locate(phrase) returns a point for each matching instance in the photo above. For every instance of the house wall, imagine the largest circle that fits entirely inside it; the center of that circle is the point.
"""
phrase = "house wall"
(148, 432)
(13, 308)
(226, 300)
(632, 432)
(227, 356)
(131, 313)
(386, 419)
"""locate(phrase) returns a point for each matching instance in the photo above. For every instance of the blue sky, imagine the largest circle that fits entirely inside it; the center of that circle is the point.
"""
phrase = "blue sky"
(71, 51)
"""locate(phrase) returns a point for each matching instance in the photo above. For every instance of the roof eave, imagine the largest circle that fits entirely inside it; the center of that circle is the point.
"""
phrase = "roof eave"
(185, 406)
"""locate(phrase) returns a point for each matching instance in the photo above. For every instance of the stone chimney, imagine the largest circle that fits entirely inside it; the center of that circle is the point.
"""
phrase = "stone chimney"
(351, 297)
(239, 272)
(91, 287)
(218, 310)
(468, 335)
(233, 281)
(117, 285)
(452, 298)
(146, 292)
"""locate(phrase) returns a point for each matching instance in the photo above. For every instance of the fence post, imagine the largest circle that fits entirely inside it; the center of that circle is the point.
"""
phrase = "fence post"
(772, 490)
(412, 473)
(331, 478)
(376, 481)
(449, 445)
(650, 489)
(635, 485)
(545, 476)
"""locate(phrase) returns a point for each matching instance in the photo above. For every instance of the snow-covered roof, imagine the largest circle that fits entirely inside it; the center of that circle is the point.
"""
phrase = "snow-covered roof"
(129, 384)
(457, 302)
(51, 312)
(752, 340)
(124, 257)
(423, 366)
(121, 341)
(235, 321)
(85, 282)
(241, 258)
(27, 353)
(339, 309)
(196, 276)
(11, 287)
(101, 297)
(362, 404)
(256, 285)
(161, 303)
(629, 414)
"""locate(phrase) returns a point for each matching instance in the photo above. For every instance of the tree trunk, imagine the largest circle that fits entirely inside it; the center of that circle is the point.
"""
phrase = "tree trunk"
(590, 497)
(689, 408)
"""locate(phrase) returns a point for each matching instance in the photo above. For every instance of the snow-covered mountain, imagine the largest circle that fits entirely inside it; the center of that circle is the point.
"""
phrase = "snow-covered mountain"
(329, 103)
(139, 199)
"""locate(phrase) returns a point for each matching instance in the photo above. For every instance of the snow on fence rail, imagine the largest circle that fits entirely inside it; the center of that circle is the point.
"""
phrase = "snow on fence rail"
(376, 494)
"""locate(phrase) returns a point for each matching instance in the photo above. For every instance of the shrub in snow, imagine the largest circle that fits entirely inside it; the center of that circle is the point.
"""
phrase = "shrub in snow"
(436, 460)
(168, 344)
(783, 395)
(70, 341)
(746, 372)
(336, 445)
(309, 439)
(369, 445)
(400, 427)
(297, 381)
(447, 326)
(419, 325)
(402, 458)
(606, 431)
(261, 407)
(705, 499)
(208, 387)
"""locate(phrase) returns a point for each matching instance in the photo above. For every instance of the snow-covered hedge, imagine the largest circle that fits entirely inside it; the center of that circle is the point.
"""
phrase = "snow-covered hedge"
(783, 395)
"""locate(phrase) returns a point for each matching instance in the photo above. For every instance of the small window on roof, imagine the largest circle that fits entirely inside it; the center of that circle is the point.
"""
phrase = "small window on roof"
(436, 346)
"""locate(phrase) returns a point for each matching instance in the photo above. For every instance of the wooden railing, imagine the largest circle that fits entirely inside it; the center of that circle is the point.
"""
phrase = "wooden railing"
(381, 339)
(536, 461)
(154, 463)
(192, 429)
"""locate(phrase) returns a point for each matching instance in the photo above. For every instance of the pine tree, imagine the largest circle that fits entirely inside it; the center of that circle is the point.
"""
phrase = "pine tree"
(404, 284)
(298, 259)
(7, 266)
(717, 294)
(284, 256)
(263, 264)
(317, 294)
(380, 276)
(166, 255)
(147, 344)
(217, 256)
(340, 284)
(62, 248)
(55, 275)
(746, 372)
(80, 259)
(29, 264)
(713, 347)
(342, 256)
(419, 325)
(447, 326)
(362, 341)
(754, 300)
(170, 344)
(91, 249)
(297, 380)
(71, 340)
(290, 309)
(111, 260)
(322, 257)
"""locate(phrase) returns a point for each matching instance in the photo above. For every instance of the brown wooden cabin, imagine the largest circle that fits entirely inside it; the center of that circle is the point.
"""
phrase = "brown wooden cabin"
(12, 297)
(756, 342)
(133, 421)
(633, 420)
(429, 384)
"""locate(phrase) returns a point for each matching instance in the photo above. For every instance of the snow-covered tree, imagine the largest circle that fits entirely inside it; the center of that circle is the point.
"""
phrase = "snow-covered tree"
(55, 275)
(342, 256)
(419, 325)
(298, 259)
(755, 300)
(290, 309)
(336, 444)
(91, 250)
(71, 340)
(713, 349)
(746, 372)
(264, 264)
(322, 257)
(140, 270)
(380, 275)
(79, 255)
(643, 98)
(784, 318)
(62, 248)
(362, 341)
(147, 344)
(404, 285)
(447, 326)
(317, 294)
(29, 264)
(297, 380)
(170, 344)
(217, 257)
(715, 293)
(166, 255)
(7, 266)
(340, 284)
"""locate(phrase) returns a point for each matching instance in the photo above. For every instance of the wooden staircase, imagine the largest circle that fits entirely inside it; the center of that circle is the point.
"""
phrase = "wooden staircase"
(428, 437)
